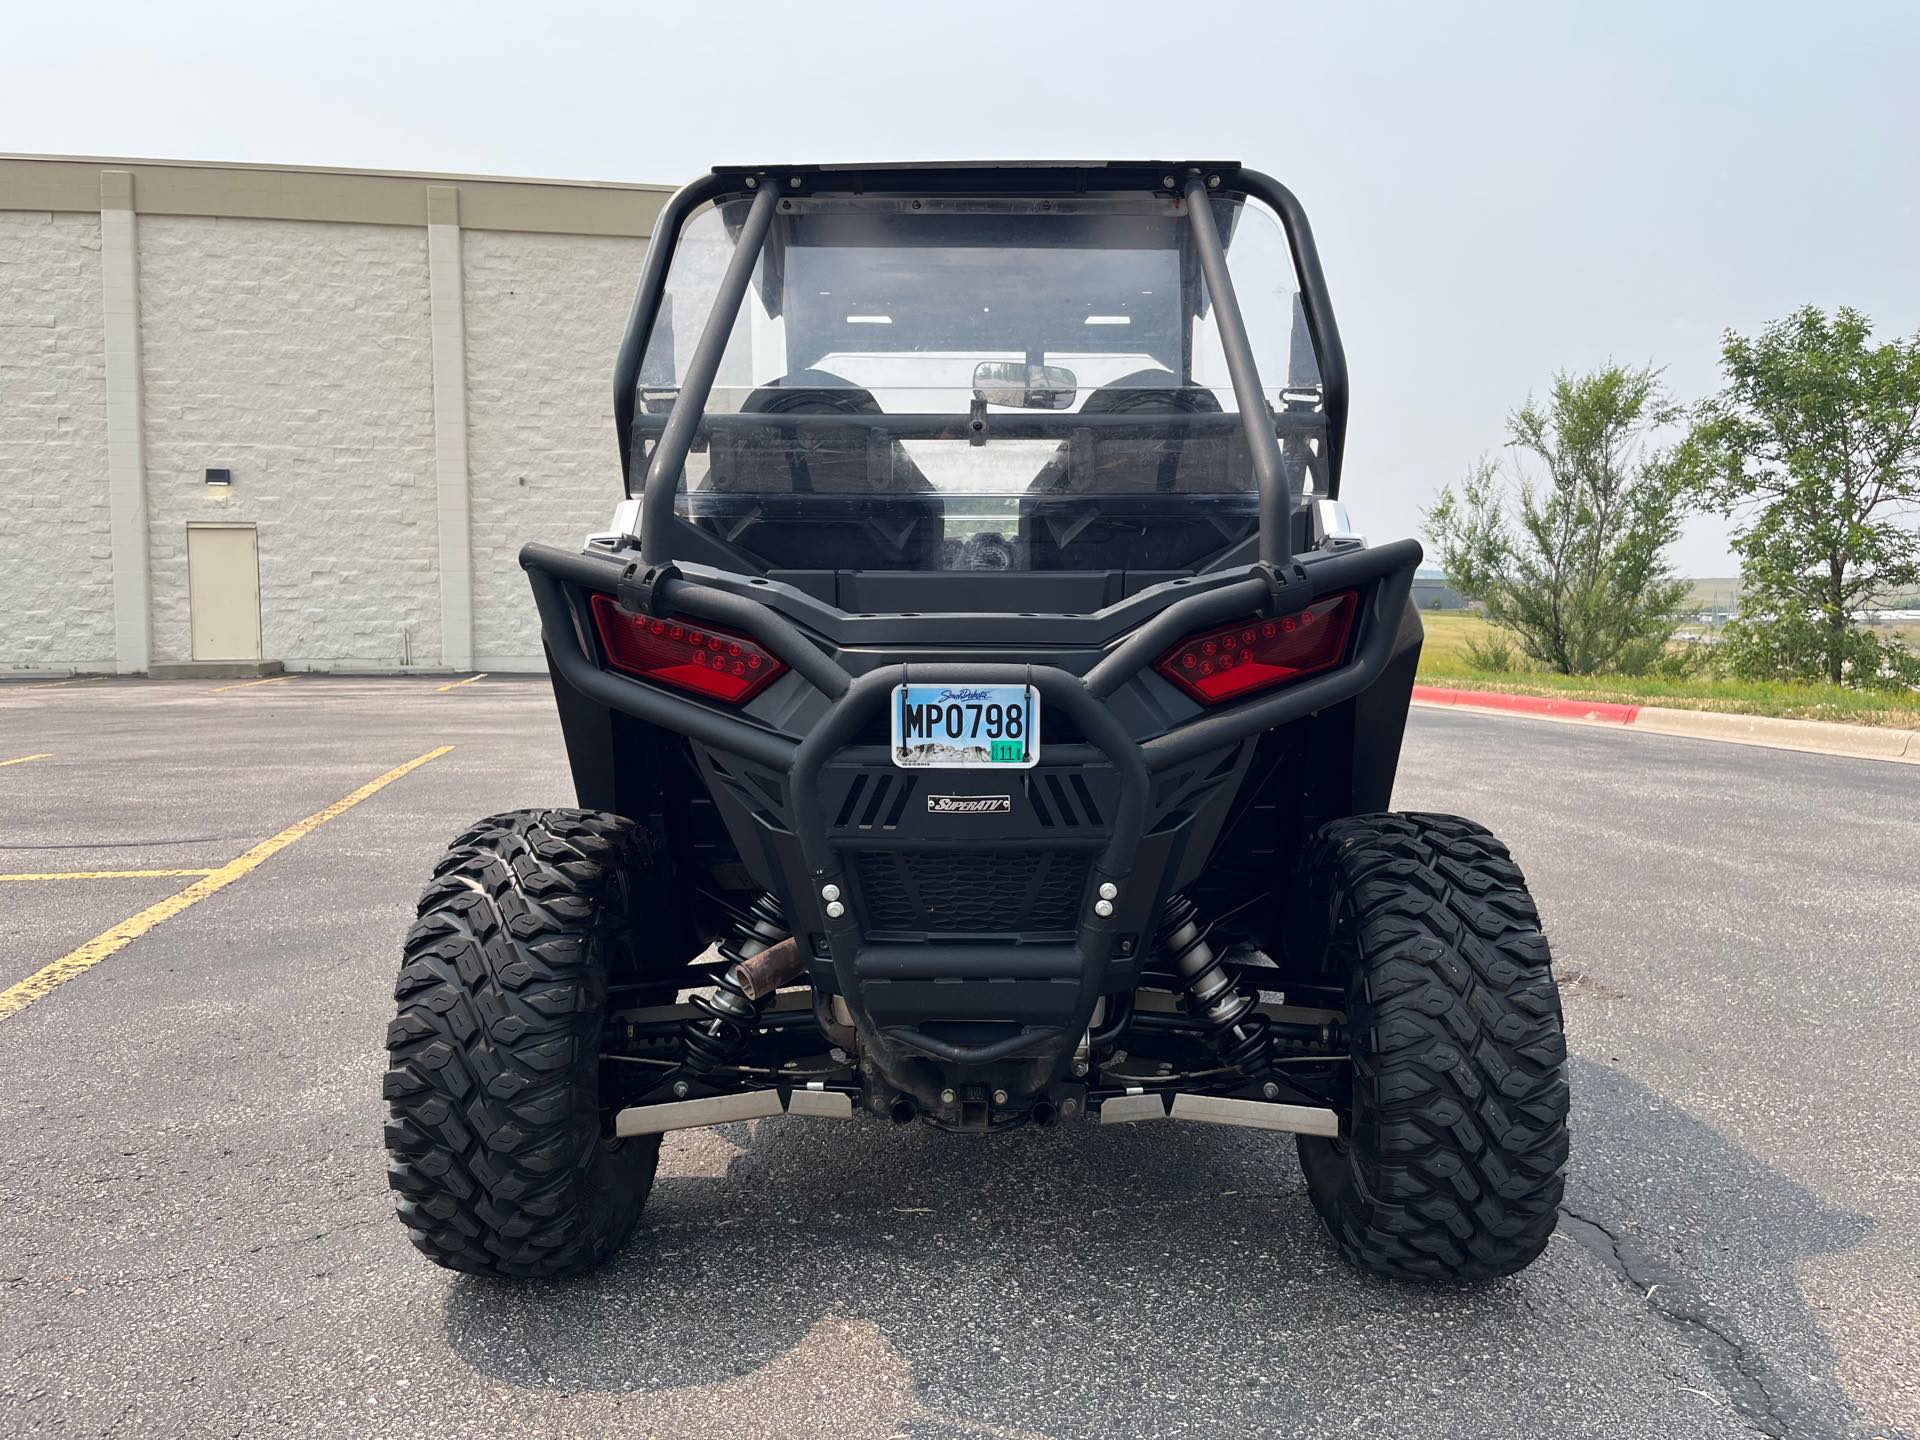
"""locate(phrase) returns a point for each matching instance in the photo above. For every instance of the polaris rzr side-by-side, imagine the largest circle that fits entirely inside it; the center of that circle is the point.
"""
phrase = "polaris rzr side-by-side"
(982, 715)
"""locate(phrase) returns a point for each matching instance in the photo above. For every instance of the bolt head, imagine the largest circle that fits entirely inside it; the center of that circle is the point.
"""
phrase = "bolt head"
(1103, 908)
(1069, 1108)
(1167, 181)
(835, 909)
(794, 182)
(1109, 890)
(1270, 1090)
(1079, 1067)
(947, 1097)
(752, 184)
(680, 1088)
(1213, 182)
(837, 1055)
(999, 1097)
(829, 892)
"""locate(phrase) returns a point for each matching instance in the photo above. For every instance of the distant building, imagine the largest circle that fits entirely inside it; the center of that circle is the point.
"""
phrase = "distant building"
(281, 414)
(1433, 591)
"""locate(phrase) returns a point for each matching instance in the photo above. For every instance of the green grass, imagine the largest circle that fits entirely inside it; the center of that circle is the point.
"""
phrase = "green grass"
(1443, 661)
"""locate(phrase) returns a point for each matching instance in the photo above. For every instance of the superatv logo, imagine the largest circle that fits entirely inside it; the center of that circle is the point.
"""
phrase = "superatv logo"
(970, 804)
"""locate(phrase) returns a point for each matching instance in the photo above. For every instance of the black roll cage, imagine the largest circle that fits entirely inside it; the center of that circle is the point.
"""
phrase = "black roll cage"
(767, 186)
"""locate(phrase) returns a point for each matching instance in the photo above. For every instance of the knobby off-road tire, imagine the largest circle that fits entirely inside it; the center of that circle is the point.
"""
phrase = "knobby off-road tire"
(1452, 1162)
(496, 1139)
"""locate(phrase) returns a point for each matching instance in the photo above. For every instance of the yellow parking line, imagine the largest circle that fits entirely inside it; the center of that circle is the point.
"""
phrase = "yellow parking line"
(100, 874)
(458, 683)
(244, 684)
(56, 684)
(23, 759)
(17, 997)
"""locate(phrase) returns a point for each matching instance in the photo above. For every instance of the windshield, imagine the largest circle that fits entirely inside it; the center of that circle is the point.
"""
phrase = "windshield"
(946, 383)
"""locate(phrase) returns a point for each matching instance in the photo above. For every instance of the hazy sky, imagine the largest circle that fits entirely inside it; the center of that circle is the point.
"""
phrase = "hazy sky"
(1499, 191)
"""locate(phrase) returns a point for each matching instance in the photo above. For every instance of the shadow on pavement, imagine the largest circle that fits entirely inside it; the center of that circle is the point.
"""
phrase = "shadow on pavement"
(1173, 1279)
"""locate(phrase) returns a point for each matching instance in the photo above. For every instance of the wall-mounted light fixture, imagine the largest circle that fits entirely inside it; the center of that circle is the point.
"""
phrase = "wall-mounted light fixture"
(221, 476)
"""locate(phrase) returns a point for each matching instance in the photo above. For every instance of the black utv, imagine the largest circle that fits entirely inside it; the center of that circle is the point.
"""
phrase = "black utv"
(982, 715)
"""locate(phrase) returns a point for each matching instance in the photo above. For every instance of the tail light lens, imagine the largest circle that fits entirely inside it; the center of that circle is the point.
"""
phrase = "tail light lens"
(1235, 660)
(689, 656)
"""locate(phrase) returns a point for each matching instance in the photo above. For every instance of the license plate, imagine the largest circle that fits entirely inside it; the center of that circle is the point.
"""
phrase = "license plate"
(966, 727)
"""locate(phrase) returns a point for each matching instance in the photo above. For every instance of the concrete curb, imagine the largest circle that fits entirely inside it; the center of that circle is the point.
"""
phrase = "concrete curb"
(1822, 737)
(1867, 742)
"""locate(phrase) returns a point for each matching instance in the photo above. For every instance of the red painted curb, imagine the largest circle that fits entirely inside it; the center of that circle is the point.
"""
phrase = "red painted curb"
(1530, 704)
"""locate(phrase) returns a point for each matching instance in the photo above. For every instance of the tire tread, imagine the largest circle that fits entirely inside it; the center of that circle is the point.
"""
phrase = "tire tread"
(494, 1135)
(1456, 1155)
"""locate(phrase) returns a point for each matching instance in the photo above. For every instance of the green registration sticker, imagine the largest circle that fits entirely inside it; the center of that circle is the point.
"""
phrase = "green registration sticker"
(1009, 750)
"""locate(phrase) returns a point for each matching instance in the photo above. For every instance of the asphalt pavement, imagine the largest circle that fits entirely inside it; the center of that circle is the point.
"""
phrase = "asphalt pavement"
(198, 1236)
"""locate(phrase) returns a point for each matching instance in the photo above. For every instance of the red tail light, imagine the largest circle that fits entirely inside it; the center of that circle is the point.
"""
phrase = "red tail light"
(684, 654)
(1235, 660)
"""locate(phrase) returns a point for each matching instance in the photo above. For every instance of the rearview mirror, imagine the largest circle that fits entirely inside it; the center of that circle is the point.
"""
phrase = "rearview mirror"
(1027, 387)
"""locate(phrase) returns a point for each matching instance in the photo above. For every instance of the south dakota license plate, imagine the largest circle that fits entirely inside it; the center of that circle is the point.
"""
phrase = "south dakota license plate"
(966, 727)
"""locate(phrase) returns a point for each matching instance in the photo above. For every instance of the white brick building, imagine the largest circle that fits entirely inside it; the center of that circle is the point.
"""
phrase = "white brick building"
(407, 376)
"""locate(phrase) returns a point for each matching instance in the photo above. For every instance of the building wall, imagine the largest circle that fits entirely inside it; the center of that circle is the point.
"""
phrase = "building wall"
(1436, 592)
(295, 353)
(544, 315)
(56, 558)
(399, 371)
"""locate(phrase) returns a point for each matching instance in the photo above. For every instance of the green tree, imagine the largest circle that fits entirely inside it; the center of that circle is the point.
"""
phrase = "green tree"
(1572, 561)
(1814, 445)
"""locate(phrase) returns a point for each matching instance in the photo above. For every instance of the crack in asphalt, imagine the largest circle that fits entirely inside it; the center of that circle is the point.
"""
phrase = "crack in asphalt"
(1759, 1395)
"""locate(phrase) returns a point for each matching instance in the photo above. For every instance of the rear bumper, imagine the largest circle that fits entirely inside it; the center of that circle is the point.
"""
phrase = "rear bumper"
(1001, 1005)
(1127, 639)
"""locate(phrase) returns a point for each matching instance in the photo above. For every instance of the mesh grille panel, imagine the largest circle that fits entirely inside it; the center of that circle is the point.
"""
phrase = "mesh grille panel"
(996, 892)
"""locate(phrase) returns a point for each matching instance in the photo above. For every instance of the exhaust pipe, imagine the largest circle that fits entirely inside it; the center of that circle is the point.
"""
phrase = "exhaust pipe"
(763, 973)
(901, 1112)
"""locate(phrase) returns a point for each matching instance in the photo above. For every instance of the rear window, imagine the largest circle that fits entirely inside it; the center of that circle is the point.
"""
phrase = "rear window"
(979, 384)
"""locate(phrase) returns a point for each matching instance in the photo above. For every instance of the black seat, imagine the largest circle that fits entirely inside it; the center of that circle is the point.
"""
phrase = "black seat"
(817, 497)
(1107, 505)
